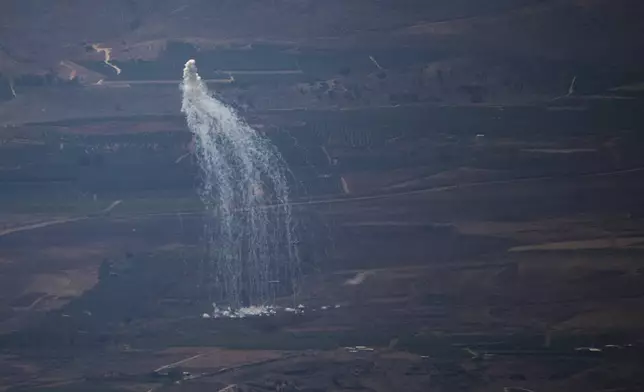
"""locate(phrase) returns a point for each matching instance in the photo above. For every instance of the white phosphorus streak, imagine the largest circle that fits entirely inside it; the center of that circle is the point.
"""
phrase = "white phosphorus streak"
(242, 173)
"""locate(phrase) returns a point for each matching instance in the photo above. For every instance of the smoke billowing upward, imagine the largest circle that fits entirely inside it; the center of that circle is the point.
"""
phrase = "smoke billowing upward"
(252, 248)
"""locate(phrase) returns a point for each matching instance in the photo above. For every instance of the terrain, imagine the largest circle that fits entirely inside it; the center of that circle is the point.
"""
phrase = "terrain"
(467, 179)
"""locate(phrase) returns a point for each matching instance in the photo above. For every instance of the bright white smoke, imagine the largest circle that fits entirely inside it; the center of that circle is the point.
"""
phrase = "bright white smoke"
(253, 252)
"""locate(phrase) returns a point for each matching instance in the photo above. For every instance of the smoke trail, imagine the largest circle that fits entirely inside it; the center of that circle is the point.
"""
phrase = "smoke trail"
(251, 248)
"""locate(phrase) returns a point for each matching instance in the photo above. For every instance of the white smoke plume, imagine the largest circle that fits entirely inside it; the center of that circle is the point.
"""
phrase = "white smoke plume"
(253, 250)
